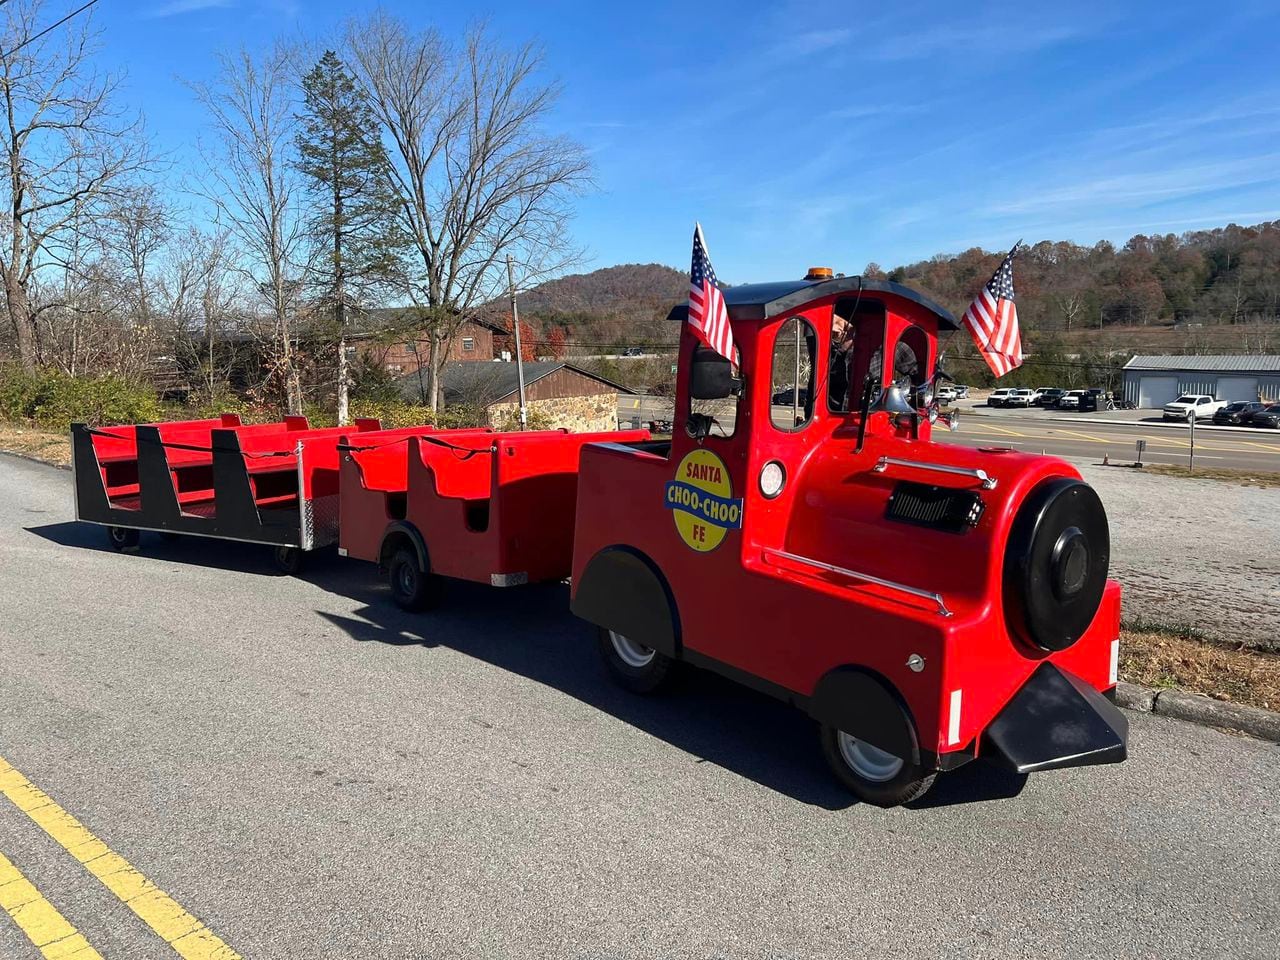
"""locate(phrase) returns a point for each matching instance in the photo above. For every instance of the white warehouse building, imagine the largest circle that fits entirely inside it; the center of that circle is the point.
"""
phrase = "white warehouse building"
(1153, 381)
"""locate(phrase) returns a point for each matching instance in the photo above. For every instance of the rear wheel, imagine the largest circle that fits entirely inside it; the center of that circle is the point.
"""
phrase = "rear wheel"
(288, 560)
(412, 588)
(871, 774)
(639, 668)
(123, 539)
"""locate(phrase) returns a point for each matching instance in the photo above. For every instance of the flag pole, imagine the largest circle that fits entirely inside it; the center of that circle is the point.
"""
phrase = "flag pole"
(515, 324)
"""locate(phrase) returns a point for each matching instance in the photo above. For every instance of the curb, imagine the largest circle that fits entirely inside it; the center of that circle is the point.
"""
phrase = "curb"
(30, 459)
(1197, 708)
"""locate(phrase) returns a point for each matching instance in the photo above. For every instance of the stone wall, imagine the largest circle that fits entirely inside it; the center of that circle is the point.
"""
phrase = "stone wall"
(579, 414)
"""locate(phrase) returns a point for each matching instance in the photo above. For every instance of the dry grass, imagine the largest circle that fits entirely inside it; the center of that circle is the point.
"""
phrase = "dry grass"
(33, 442)
(1246, 478)
(1168, 658)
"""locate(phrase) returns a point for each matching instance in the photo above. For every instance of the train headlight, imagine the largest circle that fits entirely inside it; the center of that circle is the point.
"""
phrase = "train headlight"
(772, 478)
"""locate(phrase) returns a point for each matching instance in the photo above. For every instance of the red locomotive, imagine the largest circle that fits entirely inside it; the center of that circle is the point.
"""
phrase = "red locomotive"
(927, 604)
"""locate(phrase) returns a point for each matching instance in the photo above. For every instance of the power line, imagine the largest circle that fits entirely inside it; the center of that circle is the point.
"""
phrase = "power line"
(8, 53)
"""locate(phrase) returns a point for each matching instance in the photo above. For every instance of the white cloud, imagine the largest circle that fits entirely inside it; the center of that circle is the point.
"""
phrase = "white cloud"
(175, 8)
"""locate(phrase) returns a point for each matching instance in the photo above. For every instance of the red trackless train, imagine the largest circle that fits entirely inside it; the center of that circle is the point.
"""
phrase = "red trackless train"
(801, 533)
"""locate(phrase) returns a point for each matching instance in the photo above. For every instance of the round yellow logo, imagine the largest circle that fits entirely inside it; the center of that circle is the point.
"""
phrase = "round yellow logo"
(702, 502)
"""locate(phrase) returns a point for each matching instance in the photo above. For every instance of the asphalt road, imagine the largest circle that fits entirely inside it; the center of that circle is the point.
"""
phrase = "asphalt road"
(314, 774)
(1084, 437)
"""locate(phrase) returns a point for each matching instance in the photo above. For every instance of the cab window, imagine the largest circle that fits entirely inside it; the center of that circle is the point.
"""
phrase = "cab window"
(791, 387)
(857, 347)
(911, 358)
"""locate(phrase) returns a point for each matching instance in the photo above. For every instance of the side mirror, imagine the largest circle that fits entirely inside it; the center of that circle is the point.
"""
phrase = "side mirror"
(710, 376)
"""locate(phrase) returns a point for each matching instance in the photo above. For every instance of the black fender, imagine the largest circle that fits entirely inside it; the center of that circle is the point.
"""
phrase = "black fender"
(865, 705)
(399, 530)
(622, 589)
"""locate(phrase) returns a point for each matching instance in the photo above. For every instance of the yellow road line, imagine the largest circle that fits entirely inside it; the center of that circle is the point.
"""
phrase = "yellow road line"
(187, 935)
(991, 426)
(1269, 447)
(40, 920)
(1081, 436)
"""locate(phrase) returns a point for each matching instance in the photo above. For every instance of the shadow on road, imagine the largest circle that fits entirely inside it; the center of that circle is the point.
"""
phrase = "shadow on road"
(254, 558)
(529, 631)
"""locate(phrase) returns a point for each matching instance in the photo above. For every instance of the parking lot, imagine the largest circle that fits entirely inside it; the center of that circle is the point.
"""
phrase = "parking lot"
(308, 772)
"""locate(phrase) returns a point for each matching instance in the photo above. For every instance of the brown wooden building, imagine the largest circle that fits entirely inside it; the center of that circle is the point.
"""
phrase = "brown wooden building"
(403, 352)
(558, 393)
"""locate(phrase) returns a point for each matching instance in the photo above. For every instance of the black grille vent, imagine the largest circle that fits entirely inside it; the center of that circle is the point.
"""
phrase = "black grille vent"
(938, 508)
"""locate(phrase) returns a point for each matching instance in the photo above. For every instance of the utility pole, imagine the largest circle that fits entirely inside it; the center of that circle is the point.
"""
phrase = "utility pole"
(1191, 460)
(515, 323)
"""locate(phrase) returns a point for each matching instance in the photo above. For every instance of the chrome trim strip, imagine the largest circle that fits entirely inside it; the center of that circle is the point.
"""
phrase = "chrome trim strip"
(988, 481)
(854, 574)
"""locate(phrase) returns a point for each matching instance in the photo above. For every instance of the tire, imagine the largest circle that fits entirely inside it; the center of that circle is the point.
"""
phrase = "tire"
(632, 665)
(412, 588)
(123, 539)
(287, 560)
(872, 775)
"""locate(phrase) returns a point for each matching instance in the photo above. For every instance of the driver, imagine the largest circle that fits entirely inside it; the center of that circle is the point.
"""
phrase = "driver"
(841, 359)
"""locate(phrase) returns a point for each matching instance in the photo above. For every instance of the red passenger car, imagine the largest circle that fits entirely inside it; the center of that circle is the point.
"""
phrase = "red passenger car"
(927, 604)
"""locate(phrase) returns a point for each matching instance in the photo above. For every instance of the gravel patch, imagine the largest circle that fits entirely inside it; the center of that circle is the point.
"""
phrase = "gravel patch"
(1196, 552)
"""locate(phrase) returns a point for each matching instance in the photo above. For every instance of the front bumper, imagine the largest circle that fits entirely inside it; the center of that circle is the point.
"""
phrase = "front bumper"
(1056, 720)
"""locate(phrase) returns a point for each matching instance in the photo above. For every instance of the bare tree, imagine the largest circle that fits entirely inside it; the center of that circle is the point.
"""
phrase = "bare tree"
(253, 187)
(64, 144)
(477, 177)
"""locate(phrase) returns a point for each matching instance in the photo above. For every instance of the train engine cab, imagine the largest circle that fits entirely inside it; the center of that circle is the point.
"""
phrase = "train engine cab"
(802, 533)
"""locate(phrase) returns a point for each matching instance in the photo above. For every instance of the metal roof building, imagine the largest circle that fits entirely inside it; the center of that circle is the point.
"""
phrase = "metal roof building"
(1153, 381)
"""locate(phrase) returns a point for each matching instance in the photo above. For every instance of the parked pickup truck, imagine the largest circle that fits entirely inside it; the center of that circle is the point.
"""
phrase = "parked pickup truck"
(1202, 405)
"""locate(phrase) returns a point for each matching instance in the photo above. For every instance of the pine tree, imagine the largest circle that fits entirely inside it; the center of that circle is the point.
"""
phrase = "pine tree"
(353, 208)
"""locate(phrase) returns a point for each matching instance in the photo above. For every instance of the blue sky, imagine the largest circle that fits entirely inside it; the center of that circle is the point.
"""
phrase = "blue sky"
(836, 133)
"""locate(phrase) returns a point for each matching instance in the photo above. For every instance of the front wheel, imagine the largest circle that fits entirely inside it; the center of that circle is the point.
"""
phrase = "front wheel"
(871, 774)
(123, 539)
(639, 668)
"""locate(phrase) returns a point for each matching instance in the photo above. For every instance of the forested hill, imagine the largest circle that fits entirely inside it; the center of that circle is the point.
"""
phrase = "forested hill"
(1230, 275)
(621, 289)
(1204, 291)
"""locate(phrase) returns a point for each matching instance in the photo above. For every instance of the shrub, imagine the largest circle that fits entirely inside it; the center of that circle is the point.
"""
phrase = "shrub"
(398, 413)
(56, 400)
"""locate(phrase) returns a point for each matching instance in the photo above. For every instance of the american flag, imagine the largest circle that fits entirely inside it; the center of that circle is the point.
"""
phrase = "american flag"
(992, 319)
(707, 312)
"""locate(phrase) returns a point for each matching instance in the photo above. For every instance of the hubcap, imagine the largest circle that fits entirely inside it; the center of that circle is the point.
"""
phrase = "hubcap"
(408, 578)
(631, 653)
(868, 762)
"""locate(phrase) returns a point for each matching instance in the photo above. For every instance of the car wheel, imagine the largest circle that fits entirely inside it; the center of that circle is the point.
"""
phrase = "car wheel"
(632, 665)
(123, 539)
(871, 774)
(412, 588)
(287, 560)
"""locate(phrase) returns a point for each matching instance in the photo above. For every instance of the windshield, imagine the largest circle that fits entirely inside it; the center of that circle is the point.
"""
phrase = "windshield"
(1187, 400)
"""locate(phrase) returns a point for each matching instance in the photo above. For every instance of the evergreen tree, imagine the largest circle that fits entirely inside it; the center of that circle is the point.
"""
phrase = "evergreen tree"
(353, 208)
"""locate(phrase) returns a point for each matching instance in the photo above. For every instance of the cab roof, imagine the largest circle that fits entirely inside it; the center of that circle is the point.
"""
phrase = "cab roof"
(760, 301)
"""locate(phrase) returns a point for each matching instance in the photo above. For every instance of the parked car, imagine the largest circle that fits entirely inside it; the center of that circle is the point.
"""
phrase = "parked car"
(1019, 398)
(946, 393)
(1237, 412)
(787, 396)
(1048, 397)
(1200, 404)
(962, 391)
(1267, 417)
(998, 397)
(1070, 400)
